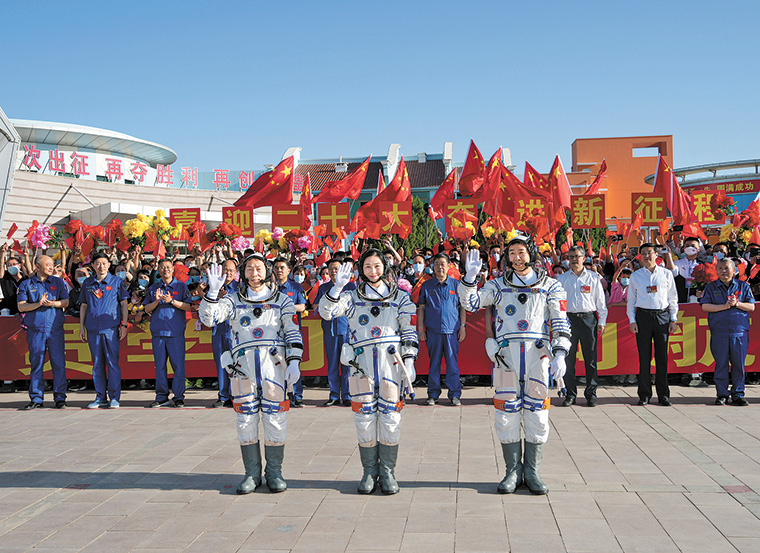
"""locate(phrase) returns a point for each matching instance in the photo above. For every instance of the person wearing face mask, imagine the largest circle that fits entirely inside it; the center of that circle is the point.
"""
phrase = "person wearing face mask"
(103, 324)
(682, 269)
(619, 290)
(80, 275)
(418, 268)
(335, 334)
(10, 279)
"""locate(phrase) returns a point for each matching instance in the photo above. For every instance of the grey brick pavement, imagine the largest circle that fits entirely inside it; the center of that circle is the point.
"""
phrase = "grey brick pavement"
(622, 478)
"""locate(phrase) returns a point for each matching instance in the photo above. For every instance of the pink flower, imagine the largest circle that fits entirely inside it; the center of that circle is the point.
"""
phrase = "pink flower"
(41, 237)
(405, 285)
(239, 244)
(277, 233)
(304, 242)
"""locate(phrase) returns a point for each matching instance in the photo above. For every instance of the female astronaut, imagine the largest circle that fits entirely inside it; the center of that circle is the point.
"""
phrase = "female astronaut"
(381, 352)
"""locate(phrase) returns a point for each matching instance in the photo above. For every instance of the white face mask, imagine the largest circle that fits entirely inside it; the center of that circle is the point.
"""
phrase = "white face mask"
(690, 250)
(719, 255)
(496, 257)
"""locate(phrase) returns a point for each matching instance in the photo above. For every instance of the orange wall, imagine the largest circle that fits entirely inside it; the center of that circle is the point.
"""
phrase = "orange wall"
(625, 173)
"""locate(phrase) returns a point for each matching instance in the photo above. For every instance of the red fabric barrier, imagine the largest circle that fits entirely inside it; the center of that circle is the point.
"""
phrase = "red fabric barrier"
(689, 349)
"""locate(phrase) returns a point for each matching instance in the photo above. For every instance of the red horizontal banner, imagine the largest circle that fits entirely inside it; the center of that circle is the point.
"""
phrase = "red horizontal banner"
(689, 349)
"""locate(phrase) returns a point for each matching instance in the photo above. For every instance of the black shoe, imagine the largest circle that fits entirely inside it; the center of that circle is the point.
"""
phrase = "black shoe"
(569, 400)
(228, 403)
(346, 403)
(456, 402)
(60, 404)
(591, 401)
(164, 403)
(330, 403)
(296, 403)
(430, 401)
(665, 402)
(217, 404)
(31, 405)
(740, 402)
(643, 401)
(179, 403)
(721, 400)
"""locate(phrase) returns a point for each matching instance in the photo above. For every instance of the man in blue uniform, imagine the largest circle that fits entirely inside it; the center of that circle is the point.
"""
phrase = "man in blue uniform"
(43, 298)
(167, 299)
(441, 323)
(728, 303)
(102, 324)
(335, 332)
(281, 270)
(221, 339)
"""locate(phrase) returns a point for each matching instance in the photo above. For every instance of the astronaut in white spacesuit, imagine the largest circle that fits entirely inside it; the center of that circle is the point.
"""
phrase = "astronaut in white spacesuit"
(264, 360)
(381, 352)
(532, 338)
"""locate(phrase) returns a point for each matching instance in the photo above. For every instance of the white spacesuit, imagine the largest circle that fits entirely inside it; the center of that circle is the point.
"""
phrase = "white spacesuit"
(265, 335)
(532, 338)
(381, 352)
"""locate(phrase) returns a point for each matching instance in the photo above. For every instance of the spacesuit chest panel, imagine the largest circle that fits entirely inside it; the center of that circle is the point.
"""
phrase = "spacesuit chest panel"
(521, 312)
(373, 321)
(256, 324)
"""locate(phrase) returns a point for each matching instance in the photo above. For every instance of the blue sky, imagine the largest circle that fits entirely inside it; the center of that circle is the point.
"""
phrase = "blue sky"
(234, 84)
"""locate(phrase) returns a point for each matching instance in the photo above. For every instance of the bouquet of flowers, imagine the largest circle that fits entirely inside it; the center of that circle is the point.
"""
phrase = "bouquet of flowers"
(703, 274)
(38, 235)
(240, 244)
(722, 206)
(297, 240)
(224, 231)
(135, 229)
(745, 225)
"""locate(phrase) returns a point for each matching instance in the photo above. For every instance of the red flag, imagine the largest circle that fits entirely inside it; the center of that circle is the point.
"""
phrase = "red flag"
(306, 203)
(349, 186)
(278, 188)
(664, 226)
(398, 190)
(323, 257)
(160, 251)
(16, 247)
(594, 188)
(590, 250)
(534, 179)
(380, 182)
(150, 242)
(636, 223)
(559, 185)
(492, 190)
(13, 229)
(695, 230)
(445, 192)
(602, 253)
(679, 202)
(473, 176)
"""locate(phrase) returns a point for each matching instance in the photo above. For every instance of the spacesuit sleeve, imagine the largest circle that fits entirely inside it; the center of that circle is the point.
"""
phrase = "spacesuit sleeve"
(213, 312)
(293, 338)
(330, 308)
(409, 341)
(557, 304)
(473, 299)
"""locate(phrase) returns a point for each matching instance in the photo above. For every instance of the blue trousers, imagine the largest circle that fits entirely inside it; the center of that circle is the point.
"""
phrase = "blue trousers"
(733, 350)
(221, 340)
(443, 346)
(52, 342)
(337, 374)
(104, 347)
(172, 347)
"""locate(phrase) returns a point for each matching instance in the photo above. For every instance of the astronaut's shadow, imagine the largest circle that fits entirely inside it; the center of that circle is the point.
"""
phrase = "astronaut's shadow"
(224, 483)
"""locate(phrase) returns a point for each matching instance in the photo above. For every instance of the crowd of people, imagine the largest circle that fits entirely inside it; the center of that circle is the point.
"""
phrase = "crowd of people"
(551, 302)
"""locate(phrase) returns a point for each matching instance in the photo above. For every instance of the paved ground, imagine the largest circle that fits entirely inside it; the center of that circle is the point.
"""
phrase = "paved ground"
(622, 478)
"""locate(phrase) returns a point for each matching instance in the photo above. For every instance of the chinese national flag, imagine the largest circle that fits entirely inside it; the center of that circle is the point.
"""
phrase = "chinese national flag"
(12, 230)
(348, 187)
(491, 190)
(380, 182)
(323, 257)
(559, 185)
(678, 201)
(306, 204)
(664, 226)
(473, 171)
(596, 185)
(445, 192)
(398, 190)
(278, 188)
(534, 179)
(160, 251)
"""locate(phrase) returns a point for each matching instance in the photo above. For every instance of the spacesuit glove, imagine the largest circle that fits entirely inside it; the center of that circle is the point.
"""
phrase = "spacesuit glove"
(215, 281)
(341, 279)
(409, 364)
(472, 265)
(558, 367)
(292, 373)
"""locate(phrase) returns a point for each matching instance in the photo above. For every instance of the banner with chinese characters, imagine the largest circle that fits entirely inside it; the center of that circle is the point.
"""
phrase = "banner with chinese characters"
(241, 217)
(742, 187)
(184, 216)
(588, 211)
(701, 206)
(287, 217)
(396, 217)
(689, 348)
(653, 206)
(334, 215)
(525, 208)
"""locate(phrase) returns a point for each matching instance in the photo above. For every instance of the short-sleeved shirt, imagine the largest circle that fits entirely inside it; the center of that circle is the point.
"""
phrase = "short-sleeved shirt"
(167, 320)
(441, 302)
(337, 326)
(295, 292)
(43, 318)
(733, 321)
(103, 299)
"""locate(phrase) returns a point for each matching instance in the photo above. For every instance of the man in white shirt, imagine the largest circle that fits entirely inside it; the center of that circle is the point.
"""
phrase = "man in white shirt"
(652, 309)
(587, 312)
